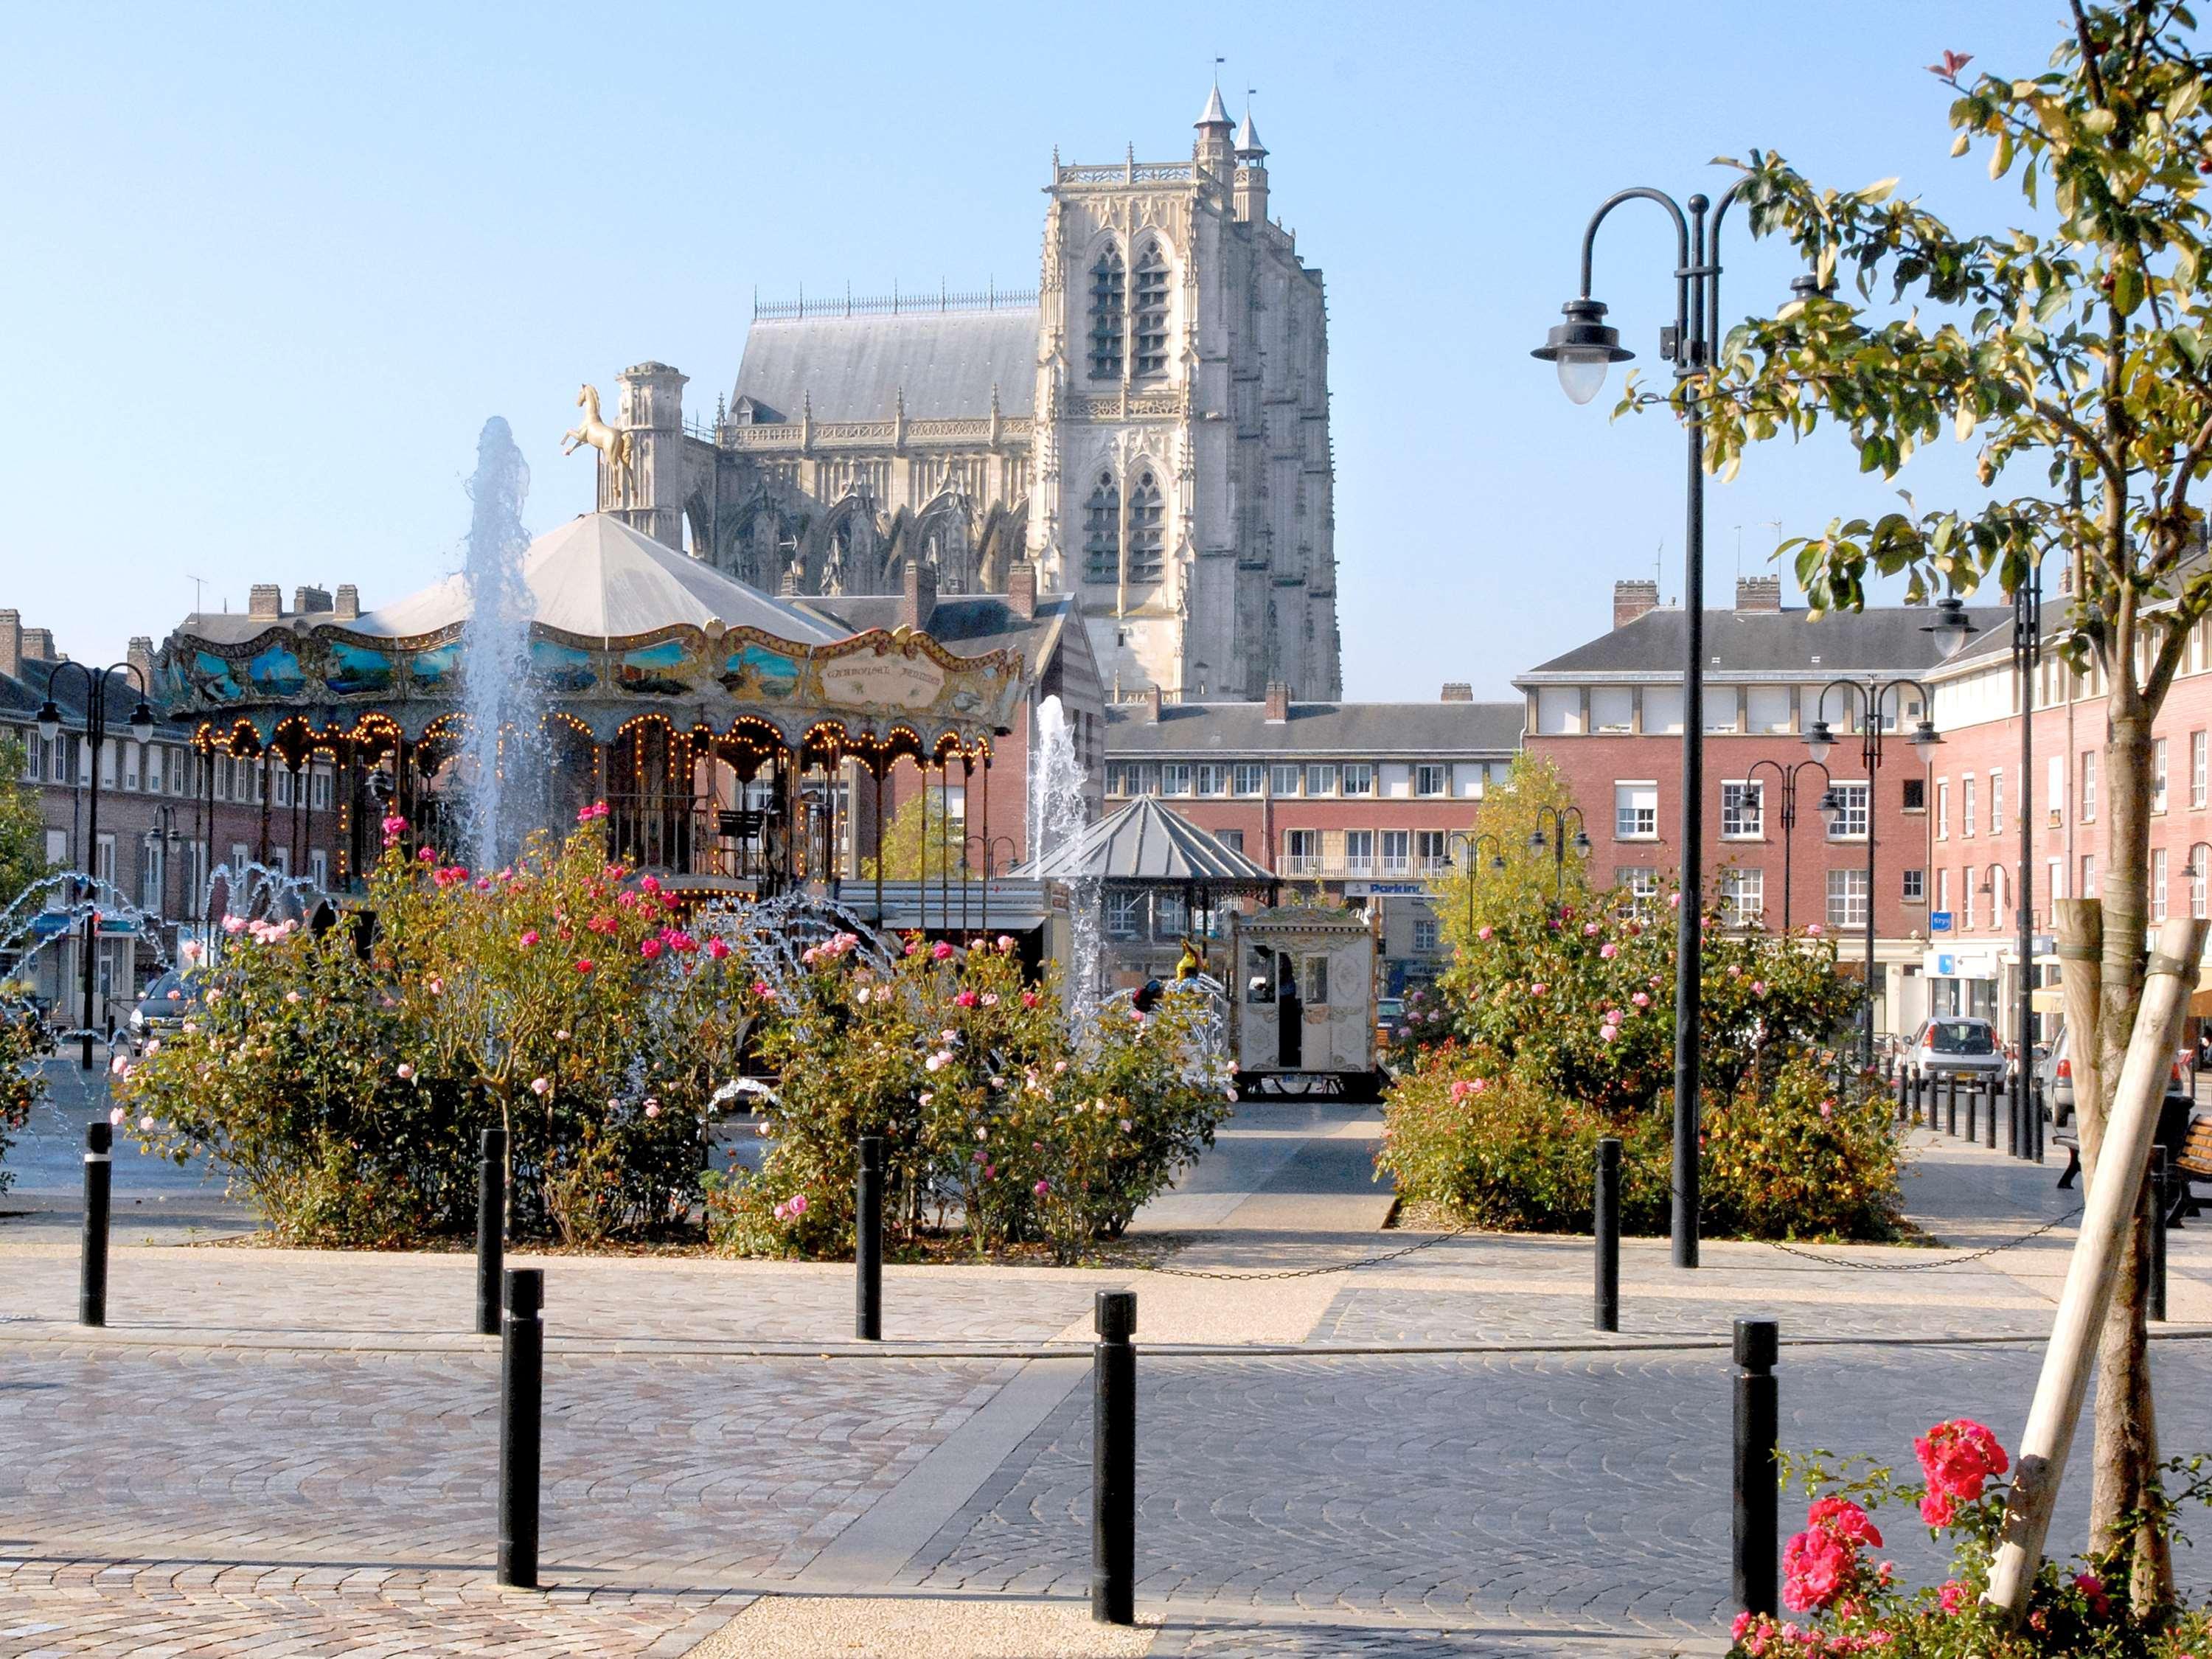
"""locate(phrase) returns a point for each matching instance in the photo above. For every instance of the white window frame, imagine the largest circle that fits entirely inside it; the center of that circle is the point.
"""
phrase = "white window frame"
(1743, 810)
(1321, 780)
(1743, 896)
(1284, 778)
(1854, 796)
(2158, 777)
(1996, 801)
(1356, 778)
(1394, 852)
(1635, 809)
(1359, 852)
(1431, 779)
(1247, 778)
(1853, 894)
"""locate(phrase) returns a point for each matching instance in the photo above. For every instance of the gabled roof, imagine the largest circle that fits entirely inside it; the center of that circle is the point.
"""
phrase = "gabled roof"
(1886, 639)
(1368, 731)
(943, 363)
(1147, 841)
(599, 577)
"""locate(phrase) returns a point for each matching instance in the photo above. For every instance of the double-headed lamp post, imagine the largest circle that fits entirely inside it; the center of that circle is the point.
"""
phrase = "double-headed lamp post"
(1865, 702)
(1464, 846)
(95, 735)
(990, 844)
(1786, 778)
(1558, 843)
(1582, 348)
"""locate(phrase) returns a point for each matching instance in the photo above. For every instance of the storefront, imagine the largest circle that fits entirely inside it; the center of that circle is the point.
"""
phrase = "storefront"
(1961, 981)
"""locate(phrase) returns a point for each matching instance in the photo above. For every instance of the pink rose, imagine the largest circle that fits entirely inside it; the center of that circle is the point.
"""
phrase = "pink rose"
(649, 948)
(1482, 933)
(652, 1108)
(529, 938)
(1953, 1595)
(717, 949)
(1609, 951)
(941, 951)
(539, 1085)
(1041, 1188)
(965, 999)
(1537, 989)
(1642, 998)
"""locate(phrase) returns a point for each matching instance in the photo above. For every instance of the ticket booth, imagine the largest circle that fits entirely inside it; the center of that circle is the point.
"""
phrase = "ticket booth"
(1302, 1013)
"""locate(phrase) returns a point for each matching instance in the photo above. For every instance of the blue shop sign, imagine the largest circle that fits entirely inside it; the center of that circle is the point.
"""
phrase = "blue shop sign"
(1939, 921)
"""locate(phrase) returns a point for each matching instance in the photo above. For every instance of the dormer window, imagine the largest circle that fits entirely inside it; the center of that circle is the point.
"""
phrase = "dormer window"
(1109, 321)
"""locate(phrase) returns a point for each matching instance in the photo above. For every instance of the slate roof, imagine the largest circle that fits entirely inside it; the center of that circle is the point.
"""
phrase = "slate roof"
(1374, 730)
(855, 368)
(22, 695)
(1887, 639)
(967, 624)
(1147, 841)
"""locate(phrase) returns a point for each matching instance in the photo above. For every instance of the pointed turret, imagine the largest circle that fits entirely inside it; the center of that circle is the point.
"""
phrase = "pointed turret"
(1251, 202)
(1212, 151)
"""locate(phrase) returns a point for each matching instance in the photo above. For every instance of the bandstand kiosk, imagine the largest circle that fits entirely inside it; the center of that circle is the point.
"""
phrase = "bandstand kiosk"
(724, 729)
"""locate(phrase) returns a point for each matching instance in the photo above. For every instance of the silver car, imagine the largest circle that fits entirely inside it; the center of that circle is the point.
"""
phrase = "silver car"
(1958, 1045)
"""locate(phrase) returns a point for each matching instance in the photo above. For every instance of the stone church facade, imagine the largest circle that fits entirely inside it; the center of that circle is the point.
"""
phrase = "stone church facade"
(1149, 428)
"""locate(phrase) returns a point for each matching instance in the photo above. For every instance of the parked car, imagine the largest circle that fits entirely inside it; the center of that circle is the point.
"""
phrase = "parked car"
(169, 1001)
(2058, 1074)
(1389, 1015)
(1956, 1045)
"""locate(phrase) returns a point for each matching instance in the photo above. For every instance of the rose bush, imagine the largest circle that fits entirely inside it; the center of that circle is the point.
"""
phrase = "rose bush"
(342, 1079)
(23, 1039)
(1856, 1605)
(1555, 1026)
(989, 1108)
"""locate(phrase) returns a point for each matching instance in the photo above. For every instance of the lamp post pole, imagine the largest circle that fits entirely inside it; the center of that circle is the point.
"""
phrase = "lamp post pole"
(1581, 348)
(95, 733)
(1464, 847)
(1786, 778)
(990, 844)
(2026, 654)
(1865, 701)
(1558, 842)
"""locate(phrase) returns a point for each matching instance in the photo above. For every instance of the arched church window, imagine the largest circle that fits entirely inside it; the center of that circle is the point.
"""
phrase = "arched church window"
(1151, 312)
(1102, 532)
(1109, 319)
(1147, 532)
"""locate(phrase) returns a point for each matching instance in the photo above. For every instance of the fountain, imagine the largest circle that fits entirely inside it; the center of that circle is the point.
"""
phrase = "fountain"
(503, 759)
(1058, 811)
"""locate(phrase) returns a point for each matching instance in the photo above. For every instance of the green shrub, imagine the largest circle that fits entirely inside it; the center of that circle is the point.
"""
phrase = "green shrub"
(23, 1039)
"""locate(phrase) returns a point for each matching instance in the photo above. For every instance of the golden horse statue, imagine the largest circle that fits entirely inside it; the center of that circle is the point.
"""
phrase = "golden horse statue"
(614, 445)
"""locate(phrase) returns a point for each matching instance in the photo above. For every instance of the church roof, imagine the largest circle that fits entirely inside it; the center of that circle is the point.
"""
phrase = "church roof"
(1147, 841)
(1215, 115)
(1248, 138)
(856, 368)
(598, 577)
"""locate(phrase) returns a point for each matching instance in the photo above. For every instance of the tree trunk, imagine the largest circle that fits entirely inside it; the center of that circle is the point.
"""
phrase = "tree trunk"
(2126, 1454)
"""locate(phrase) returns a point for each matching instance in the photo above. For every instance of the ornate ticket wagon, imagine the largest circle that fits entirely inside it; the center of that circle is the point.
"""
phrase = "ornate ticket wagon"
(722, 727)
(1302, 1004)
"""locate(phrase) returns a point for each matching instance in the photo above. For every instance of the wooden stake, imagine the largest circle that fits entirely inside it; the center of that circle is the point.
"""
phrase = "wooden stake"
(2107, 1214)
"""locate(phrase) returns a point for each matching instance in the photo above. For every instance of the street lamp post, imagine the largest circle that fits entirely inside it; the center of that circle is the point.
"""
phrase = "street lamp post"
(1865, 701)
(1463, 847)
(990, 844)
(2026, 655)
(95, 733)
(1582, 348)
(1558, 843)
(1786, 776)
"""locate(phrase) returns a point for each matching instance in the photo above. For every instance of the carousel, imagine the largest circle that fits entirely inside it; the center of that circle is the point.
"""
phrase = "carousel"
(726, 732)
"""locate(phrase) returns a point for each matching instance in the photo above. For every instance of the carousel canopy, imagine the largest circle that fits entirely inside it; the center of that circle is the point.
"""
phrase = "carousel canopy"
(596, 576)
(1146, 842)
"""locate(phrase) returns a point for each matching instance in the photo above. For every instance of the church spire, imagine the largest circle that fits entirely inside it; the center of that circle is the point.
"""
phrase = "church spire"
(1212, 150)
(1249, 149)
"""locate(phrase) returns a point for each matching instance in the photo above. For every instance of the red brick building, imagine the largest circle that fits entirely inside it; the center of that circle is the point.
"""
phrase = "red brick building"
(1359, 798)
(1978, 796)
(1609, 715)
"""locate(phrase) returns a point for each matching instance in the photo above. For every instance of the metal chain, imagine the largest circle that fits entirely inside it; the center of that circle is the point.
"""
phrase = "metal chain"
(1309, 1272)
(1920, 1266)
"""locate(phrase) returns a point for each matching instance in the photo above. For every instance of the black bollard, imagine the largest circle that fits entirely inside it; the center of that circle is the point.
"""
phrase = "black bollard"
(1992, 1085)
(1605, 1229)
(868, 1244)
(99, 1178)
(491, 1227)
(2015, 1118)
(1974, 1099)
(1758, 1488)
(1114, 1461)
(2155, 1220)
(1951, 1104)
(521, 1400)
(1904, 1092)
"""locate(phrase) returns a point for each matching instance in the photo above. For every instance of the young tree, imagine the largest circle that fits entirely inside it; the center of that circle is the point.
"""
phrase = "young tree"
(914, 850)
(2077, 357)
(22, 830)
(1534, 797)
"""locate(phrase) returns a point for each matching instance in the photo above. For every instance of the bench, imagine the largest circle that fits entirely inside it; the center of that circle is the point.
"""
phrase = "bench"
(2189, 1154)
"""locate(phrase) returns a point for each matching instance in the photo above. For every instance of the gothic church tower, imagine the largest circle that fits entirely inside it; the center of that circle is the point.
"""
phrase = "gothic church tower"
(1182, 478)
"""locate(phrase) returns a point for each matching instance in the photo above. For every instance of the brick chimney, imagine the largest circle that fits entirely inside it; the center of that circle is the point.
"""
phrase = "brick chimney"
(39, 645)
(140, 656)
(1459, 691)
(1760, 594)
(1021, 589)
(918, 595)
(264, 599)
(1151, 701)
(1633, 599)
(11, 642)
(348, 603)
(1279, 701)
(309, 600)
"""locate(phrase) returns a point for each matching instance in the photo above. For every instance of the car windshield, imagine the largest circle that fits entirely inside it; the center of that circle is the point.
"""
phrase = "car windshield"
(171, 987)
(1961, 1036)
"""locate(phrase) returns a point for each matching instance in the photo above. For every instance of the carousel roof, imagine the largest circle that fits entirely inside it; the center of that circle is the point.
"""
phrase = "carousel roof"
(598, 577)
(1145, 842)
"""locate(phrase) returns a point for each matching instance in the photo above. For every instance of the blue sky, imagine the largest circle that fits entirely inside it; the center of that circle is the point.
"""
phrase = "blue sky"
(270, 267)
